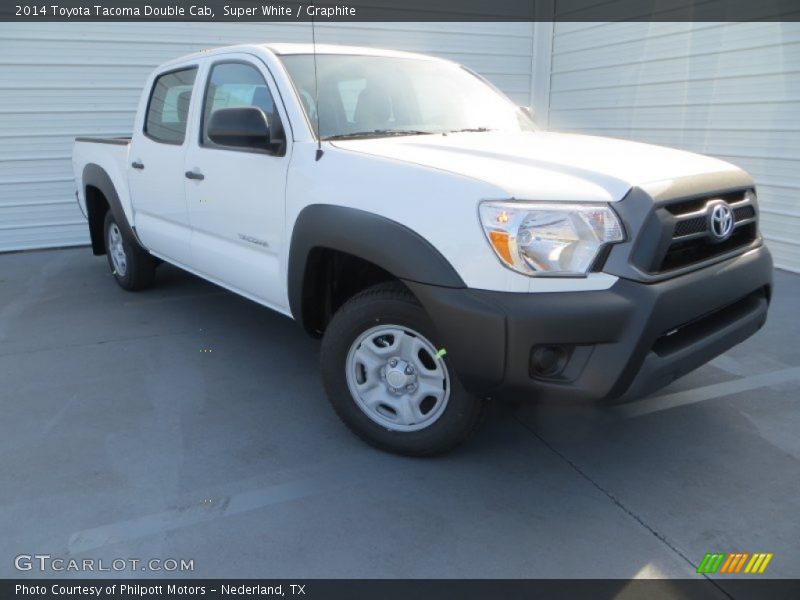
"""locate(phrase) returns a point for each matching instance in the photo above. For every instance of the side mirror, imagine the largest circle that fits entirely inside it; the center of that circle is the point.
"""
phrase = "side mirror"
(244, 127)
(528, 110)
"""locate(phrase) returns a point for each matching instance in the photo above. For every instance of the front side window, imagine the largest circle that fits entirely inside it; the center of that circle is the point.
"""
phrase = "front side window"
(168, 109)
(239, 85)
(379, 95)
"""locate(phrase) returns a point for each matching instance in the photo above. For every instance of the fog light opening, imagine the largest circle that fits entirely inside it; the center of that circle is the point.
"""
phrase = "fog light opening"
(549, 360)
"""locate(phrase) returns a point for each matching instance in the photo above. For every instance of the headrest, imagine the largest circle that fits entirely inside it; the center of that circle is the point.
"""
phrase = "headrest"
(263, 100)
(373, 108)
(183, 105)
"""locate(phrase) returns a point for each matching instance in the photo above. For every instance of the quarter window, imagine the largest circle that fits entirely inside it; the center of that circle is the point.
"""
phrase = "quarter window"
(168, 109)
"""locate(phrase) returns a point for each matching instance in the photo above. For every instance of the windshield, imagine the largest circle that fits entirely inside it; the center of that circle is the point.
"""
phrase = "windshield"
(375, 96)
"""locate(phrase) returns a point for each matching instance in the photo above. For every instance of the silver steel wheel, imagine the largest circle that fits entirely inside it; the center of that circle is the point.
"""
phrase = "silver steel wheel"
(396, 378)
(117, 250)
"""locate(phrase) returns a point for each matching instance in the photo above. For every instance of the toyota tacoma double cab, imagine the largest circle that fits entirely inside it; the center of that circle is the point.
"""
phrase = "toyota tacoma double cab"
(445, 249)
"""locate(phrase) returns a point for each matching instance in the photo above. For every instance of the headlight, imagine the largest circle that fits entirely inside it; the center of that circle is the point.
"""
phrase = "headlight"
(549, 238)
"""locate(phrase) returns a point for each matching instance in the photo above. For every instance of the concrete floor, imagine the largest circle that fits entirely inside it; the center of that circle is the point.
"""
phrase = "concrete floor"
(121, 438)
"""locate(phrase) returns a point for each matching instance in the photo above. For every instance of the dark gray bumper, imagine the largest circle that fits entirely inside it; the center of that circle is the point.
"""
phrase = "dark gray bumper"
(619, 344)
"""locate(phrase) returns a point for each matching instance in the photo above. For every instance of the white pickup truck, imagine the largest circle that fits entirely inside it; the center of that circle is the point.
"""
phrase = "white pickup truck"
(445, 250)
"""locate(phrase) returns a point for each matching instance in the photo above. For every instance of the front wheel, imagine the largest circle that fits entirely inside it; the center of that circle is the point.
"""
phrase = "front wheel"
(389, 381)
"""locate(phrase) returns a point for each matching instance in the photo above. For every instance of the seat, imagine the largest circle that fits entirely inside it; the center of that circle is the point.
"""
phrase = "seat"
(373, 108)
(263, 100)
(184, 98)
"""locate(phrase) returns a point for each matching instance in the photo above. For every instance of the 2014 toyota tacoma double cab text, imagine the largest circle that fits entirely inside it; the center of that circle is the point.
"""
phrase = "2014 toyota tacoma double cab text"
(445, 250)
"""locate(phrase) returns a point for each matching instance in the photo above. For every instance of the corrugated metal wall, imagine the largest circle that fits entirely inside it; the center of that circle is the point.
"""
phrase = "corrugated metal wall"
(61, 80)
(731, 90)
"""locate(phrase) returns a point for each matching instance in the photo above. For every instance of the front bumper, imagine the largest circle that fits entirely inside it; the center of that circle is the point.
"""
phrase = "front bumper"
(618, 344)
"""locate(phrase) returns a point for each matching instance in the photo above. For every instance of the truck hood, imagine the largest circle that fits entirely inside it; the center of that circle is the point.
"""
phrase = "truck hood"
(544, 165)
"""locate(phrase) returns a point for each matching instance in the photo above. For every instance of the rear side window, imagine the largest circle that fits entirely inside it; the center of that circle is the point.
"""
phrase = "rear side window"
(168, 108)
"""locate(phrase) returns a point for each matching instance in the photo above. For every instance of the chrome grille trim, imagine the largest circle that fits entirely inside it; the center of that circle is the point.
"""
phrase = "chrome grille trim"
(695, 223)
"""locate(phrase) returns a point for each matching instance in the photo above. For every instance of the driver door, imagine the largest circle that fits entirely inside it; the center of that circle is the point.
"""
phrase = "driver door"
(235, 195)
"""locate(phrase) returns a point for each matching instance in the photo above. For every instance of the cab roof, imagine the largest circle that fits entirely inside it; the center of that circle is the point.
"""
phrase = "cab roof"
(287, 49)
(284, 49)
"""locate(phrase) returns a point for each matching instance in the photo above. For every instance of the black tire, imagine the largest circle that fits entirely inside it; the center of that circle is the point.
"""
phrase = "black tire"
(392, 304)
(140, 267)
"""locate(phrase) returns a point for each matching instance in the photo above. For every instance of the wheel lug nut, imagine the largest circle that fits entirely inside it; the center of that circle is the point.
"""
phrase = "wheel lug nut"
(409, 370)
(411, 387)
(393, 362)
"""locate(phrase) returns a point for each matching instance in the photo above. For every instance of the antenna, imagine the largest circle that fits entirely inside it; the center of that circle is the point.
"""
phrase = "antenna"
(316, 87)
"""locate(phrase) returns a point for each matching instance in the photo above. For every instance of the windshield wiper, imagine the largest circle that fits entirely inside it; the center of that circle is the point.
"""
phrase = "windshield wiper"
(470, 129)
(376, 133)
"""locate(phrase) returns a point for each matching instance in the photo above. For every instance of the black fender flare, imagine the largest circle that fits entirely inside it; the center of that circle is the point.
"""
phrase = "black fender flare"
(95, 176)
(386, 243)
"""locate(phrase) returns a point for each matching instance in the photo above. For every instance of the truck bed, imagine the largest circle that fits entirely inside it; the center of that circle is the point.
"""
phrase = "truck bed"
(109, 154)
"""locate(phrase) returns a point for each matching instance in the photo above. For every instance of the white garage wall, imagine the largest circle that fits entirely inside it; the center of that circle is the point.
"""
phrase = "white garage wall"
(61, 80)
(726, 89)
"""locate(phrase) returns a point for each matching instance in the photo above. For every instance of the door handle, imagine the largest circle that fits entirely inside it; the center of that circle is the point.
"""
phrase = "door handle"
(194, 175)
(137, 165)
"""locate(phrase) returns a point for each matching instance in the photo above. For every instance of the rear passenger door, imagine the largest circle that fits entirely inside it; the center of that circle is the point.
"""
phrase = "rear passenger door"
(156, 173)
(235, 194)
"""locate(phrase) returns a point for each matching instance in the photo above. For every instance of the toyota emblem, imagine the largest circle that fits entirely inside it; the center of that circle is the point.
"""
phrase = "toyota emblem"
(721, 221)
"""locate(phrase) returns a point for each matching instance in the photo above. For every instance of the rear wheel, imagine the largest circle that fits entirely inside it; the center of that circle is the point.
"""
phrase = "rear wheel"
(131, 265)
(388, 380)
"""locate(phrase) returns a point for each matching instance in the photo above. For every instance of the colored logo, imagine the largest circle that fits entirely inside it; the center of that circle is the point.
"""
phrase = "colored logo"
(735, 562)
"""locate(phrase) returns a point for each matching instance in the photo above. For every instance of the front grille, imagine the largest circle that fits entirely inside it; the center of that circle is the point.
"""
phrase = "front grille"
(690, 227)
(744, 212)
(689, 239)
(695, 225)
(687, 252)
(684, 207)
(671, 234)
